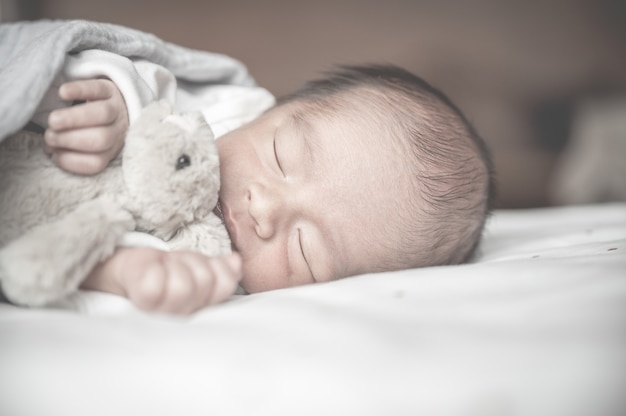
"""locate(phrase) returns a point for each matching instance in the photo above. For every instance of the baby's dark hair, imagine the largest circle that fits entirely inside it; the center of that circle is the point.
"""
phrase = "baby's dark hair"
(451, 168)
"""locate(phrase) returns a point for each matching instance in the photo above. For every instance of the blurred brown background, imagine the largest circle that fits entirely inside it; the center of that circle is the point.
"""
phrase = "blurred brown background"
(518, 69)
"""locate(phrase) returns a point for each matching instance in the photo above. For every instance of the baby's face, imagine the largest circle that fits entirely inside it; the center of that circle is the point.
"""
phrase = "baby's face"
(306, 199)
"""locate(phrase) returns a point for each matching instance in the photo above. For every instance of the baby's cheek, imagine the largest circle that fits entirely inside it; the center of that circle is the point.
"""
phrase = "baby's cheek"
(267, 270)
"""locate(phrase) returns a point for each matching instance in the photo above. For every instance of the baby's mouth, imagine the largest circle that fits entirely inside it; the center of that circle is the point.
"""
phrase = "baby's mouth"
(220, 214)
(218, 211)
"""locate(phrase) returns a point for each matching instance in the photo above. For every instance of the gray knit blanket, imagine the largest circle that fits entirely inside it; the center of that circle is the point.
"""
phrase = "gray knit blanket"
(31, 54)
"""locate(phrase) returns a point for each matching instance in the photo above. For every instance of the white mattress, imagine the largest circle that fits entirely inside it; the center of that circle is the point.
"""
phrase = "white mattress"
(537, 326)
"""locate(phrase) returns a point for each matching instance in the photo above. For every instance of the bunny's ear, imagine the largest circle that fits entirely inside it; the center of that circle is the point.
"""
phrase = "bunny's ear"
(196, 119)
(156, 111)
(150, 118)
(181, 122)
(193, 122)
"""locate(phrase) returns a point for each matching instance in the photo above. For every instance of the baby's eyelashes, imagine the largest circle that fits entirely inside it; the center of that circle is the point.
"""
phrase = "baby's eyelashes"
(276, 156)
(308, 265)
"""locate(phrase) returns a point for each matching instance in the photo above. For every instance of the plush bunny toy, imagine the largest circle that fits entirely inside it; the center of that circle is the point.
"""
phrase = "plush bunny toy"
(56, 226)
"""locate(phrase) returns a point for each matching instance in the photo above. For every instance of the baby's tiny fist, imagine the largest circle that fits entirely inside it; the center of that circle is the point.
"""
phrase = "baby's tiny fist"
(148, 291)
(56, 120)
(234, 262)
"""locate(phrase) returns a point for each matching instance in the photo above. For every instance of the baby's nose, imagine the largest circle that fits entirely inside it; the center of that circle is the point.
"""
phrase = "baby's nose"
(264, 208)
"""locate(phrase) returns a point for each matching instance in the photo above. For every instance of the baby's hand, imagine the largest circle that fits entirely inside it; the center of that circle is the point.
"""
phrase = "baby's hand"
(177, 282)
(85, 137)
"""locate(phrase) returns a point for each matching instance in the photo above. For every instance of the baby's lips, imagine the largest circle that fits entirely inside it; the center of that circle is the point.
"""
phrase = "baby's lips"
(229, 223)
(218, 211)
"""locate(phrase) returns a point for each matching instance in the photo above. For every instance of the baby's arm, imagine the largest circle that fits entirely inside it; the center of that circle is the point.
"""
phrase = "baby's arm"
(179, 282)
(85, 137)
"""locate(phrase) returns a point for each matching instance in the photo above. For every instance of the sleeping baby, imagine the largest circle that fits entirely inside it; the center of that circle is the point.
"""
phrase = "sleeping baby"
(367, 169)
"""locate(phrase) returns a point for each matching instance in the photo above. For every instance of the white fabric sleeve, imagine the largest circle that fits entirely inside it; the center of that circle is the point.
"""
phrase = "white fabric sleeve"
(139, 239)
(225, 107)
(140, 82)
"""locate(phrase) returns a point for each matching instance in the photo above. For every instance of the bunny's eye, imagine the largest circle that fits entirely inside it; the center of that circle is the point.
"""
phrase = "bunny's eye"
(182, 162)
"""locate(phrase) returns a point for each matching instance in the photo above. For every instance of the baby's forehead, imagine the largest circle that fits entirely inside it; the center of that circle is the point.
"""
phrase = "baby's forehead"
(352, 110)
(359, 156)
(366, 131)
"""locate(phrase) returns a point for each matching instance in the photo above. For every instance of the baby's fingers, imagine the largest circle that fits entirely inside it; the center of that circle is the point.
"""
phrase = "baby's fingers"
(228, 273)
(87, 90)
(88, 140)
(181, 292)
(81, 163)
(85, 151)
(215, 278)
(147, 289)
(89, 114)
(166, 286)
(184, 282)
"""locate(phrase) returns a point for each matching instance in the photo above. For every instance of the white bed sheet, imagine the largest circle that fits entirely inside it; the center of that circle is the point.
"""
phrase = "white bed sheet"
(536, 326)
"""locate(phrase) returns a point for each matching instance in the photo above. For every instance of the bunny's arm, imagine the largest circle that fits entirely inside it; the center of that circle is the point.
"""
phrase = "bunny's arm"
(207, 236)
(51, 260)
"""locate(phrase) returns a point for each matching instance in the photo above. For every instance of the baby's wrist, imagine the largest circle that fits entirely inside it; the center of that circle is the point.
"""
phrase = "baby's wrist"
(106, 277)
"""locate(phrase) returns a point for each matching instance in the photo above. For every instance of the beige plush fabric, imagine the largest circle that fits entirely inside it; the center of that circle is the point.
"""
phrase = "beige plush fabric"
(56, 226)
